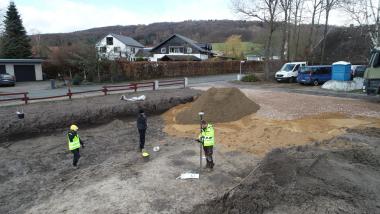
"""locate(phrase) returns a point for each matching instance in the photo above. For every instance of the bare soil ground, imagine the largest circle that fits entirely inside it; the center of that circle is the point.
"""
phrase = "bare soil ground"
(47, 117)
(340, 175)
(328, 158)
(283, 120)
(36, 174)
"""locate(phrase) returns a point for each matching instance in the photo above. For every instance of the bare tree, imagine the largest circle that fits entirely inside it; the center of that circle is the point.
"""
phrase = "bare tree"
(265, 11)
(329, 5)
(1, 27)
(286, 7)
(316, 8)
(297, 12)
(366, 14)
(1, 21)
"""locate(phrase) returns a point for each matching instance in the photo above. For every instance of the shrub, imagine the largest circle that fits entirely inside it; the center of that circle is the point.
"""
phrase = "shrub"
(250, 78)
(77, 79)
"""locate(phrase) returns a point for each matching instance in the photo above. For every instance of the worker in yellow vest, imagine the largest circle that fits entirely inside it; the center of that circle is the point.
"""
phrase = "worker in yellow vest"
(207, 138)
(75, 143)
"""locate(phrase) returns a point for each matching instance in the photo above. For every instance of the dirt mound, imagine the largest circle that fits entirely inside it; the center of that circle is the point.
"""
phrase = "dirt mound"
(219, 105)
(326, 177)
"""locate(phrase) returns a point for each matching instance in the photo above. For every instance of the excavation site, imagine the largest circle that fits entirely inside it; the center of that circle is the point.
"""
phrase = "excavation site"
(274, 152)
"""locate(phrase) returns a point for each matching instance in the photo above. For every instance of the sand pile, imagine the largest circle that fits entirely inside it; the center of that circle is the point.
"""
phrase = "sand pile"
(219, 105)
(259, 136)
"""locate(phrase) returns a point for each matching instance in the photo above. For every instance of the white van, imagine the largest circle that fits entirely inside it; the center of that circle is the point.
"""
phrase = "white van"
(289, 71)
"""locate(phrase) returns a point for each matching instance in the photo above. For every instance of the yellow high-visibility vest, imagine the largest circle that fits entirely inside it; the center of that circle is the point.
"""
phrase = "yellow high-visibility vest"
(75, 144)
(207, 136)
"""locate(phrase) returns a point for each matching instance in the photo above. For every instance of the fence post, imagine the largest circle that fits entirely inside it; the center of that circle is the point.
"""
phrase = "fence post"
(69, 93)
(135, 86)
(186, 82)
(156, 85)
(26, 98)
(105, 90)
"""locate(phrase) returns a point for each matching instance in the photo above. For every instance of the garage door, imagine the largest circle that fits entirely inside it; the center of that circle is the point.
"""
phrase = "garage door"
(24, 73)
(2, 69)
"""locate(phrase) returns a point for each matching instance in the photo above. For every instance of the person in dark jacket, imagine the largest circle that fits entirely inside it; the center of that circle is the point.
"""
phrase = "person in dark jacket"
(142, 126)
(74, 143)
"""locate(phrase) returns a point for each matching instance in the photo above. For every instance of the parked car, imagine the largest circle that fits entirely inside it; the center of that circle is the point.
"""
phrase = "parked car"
(315, 74)
(7, 79)
(357, 70)
(289, 71)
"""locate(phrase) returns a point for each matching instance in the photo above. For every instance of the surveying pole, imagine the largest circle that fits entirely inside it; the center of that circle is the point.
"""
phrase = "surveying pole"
(201, 114)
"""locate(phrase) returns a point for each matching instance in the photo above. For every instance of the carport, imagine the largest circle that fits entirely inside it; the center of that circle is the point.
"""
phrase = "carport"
(22, 69)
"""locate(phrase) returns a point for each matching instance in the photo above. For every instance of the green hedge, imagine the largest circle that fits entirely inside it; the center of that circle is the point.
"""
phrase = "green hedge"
(250, 78)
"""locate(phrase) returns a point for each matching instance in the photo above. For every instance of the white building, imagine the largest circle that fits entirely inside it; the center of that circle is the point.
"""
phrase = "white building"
(115, 46)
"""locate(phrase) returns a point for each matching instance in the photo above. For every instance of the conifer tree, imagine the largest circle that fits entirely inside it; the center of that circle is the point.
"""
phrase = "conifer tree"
(14, 42)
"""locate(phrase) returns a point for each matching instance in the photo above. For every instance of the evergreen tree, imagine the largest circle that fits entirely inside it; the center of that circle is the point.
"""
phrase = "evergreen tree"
(15, 43)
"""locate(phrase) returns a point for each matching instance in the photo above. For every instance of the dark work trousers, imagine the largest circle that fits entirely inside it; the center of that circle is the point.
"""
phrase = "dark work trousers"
(208, 152)
(142, 138)
(76, 156)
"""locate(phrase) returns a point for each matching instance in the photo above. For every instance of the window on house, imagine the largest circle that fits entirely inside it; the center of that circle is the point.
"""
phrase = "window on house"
(176, 50)
(116, 49)
(163, 50)
(103, 49)
(189, 50)
(109, 40)
(132, 50)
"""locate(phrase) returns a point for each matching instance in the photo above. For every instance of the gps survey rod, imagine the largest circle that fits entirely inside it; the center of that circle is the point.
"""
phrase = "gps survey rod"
(201, 114)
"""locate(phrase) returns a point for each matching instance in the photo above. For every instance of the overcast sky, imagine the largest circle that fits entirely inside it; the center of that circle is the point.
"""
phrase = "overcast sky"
(54, 16)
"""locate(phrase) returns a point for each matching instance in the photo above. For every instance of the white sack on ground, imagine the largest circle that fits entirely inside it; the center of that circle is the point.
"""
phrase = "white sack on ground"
(188, 175)
(139, 98)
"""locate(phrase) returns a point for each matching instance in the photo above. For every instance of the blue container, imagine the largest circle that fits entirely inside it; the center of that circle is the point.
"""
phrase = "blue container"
(341, 71)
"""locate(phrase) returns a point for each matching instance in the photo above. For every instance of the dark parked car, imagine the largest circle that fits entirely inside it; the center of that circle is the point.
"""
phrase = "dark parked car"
(315, 75)
(7, 79)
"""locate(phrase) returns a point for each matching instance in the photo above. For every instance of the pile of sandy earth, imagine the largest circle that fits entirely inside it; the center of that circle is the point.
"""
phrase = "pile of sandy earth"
(340, 175)
(219, 105)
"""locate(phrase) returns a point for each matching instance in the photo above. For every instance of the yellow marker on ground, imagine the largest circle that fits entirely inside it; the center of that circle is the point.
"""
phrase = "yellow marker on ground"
(145, 154)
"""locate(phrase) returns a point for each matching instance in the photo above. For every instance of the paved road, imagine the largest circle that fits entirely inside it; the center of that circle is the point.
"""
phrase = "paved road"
(213, 78)
(43, 89)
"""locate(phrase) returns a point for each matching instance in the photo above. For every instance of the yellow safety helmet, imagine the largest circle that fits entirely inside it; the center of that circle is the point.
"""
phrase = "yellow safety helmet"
(74, 128)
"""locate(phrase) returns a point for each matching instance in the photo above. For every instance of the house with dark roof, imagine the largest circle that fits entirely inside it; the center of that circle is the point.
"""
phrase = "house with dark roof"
(180, 48)
(114, 46)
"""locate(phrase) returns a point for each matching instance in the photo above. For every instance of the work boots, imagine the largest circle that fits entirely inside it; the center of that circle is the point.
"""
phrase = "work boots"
(210, 165)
